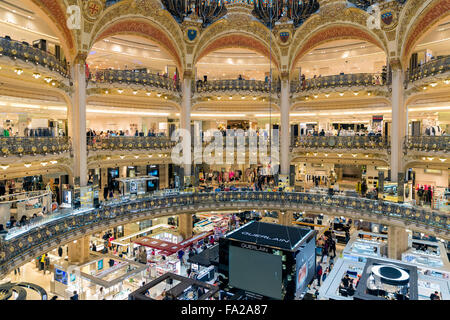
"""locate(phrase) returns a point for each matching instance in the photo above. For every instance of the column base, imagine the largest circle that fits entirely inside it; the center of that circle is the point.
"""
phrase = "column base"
(397, 242)
(285, 218)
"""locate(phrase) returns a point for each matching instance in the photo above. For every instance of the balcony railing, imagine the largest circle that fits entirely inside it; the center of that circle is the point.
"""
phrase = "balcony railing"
(428, 143)
(134, 77)
(341, 80)
(429, 69)
(66, 226)
(25, 52)
(236, 85)
(342, 142)
(129, 143)
(31, 146)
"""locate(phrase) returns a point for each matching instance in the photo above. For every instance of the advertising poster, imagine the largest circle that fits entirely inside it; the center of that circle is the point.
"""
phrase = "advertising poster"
(306, 265)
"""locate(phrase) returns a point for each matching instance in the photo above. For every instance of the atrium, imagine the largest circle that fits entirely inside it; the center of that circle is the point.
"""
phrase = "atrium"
(225, 150)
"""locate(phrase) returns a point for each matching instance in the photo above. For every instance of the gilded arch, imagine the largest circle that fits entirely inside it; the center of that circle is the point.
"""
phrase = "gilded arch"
(238, 30)
(54, 13)
(417, 18)
(332, 32)
(334, 22)
(145, 18)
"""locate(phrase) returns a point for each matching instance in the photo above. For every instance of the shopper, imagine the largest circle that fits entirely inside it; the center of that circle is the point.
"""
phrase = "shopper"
(60, 252)
(42, 262)
(101, 294)
(180, 256)
(325, 274)
(319, 273)
(75, 296)
(435, 296)
(54, 298)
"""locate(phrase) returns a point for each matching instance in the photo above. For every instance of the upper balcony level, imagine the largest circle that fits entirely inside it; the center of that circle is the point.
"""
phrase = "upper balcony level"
(341, 81)
(22, 51)
(124, 143)
(127, 78)
(33, 146)
(25, 147)
(342, 143)
(430, 71)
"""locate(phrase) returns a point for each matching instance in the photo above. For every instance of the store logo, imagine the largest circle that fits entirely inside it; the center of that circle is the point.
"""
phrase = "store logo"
(235, 147)
(74, 20)
(263, 236)
(253, 247)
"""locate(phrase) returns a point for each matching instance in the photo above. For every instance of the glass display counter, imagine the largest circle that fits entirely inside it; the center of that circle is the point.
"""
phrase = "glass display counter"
(365, 245)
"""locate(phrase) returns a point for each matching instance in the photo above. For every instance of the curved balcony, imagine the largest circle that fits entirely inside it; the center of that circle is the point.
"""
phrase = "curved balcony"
(340, 81)
(25, 52)
(32, 146)
(129, 143)
(134, 77)
(69, 226)
(430, 69)
(342, 142)
(428, 143)
(250, 86)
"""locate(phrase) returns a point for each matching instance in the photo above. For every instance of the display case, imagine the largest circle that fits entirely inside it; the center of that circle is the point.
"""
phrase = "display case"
(363, 245)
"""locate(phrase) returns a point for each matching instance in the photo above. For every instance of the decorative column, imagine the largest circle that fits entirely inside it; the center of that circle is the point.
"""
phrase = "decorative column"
(285, 218)
(284, 135)
(185, 225)
(79, 250)
(399, 121)
(77, 119)
(397, 242)
(185, 123)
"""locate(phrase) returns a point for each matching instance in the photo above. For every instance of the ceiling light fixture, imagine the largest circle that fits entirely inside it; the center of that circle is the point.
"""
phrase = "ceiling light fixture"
(47, 79)
(120, 91)
(27, 165)
(44, 164)
(4, 167)
(53, 162)
(36, 75)
(19, 71)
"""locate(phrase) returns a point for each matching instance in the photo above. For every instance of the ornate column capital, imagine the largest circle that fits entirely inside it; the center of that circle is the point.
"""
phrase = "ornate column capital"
(396, 64)
(80, 58)
(284, 76)
(188, 74)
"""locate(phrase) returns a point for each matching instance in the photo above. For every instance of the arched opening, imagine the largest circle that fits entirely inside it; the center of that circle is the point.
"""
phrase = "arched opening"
(143, 29)
(241, 41)
(137, 79)
(433, 21)
(428, 69)
(341, 56)
(332, 33)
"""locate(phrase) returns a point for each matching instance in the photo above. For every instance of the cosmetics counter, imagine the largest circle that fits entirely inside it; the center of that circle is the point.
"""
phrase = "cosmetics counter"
(365, 245)
(333, 287)
(117, 277)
